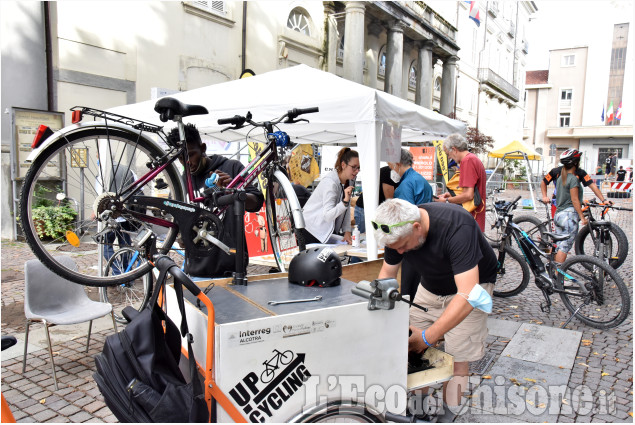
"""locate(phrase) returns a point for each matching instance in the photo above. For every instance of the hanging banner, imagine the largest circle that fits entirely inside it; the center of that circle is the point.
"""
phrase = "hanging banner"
(442, 158)
(257, 233)
(390, 142)
(423, 161)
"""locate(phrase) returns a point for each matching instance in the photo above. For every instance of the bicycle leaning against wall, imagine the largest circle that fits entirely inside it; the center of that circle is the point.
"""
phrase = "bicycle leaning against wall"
(75, 160)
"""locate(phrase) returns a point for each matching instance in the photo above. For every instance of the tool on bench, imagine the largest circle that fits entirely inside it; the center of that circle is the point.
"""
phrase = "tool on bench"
(318, 298)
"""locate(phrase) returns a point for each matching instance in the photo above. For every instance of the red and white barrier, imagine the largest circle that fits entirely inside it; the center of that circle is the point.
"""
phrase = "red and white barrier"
(621, 186)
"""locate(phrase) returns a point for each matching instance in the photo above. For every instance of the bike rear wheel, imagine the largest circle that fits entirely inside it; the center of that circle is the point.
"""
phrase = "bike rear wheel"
(68, 169)
(512, 276)
(285, 239)
(596, 293)
(535, 228)
(615, 249)
(134, 293)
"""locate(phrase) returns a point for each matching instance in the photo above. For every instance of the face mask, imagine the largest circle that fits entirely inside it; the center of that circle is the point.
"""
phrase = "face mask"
(479, 298)
(394, 176)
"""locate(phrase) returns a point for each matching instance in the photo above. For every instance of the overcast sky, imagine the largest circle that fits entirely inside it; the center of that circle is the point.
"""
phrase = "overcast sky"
(570, 23)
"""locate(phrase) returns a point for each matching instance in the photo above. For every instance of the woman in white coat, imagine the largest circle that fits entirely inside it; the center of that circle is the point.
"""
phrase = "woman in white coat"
(328, 209)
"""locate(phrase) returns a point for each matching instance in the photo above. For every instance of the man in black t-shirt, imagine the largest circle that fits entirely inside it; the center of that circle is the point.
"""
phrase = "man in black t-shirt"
(386, 191)
(447, 248)
(582, 176)
(621, 174)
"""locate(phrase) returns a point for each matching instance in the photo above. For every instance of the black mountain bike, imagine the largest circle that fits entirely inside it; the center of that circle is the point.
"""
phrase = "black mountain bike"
(599, 238)
(590, 289)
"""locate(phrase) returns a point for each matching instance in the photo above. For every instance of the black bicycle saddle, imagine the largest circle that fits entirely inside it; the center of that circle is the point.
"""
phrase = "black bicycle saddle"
(169, 107)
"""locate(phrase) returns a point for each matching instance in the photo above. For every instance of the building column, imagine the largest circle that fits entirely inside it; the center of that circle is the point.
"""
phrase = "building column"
(448, 83)
(372, 55)
(425, 75)
(332, 39)
(394, 60)
(354, 31)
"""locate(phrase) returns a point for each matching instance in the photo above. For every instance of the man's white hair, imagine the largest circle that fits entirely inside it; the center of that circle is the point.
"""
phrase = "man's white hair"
(455, 140)
(393, 211)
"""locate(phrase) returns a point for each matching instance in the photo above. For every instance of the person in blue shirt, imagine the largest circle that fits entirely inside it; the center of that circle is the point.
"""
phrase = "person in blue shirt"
(412, 186)
(415, 189)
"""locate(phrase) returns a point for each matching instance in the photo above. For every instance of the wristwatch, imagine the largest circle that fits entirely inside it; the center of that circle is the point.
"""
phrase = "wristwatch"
(447, 201)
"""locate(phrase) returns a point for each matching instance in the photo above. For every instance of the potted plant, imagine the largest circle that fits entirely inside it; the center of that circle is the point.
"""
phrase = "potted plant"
(51, 218)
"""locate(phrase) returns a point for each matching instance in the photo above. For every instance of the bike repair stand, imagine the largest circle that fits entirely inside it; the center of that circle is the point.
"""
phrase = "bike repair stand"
(240, 275)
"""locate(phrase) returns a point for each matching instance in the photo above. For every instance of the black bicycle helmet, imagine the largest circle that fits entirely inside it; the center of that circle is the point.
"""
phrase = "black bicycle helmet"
(316, 267)
(570, 156)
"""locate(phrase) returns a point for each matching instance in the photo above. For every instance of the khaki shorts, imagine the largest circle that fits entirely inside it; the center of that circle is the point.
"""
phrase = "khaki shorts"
(466, 341)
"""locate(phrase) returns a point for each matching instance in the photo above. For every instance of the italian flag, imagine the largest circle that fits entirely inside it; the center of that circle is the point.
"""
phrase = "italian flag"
(609, 113)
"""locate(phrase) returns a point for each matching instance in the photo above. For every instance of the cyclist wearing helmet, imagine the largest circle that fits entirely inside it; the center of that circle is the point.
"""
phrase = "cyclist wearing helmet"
(582, 175)
(568, 202)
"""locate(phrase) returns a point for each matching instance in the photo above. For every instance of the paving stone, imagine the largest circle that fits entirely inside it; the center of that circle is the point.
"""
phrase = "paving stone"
(44, 415)
(502, 328)
(80, 417)
(545, 345)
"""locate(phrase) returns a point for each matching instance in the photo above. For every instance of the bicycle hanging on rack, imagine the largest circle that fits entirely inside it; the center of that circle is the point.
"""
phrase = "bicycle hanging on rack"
(590, 289)
(75, 160)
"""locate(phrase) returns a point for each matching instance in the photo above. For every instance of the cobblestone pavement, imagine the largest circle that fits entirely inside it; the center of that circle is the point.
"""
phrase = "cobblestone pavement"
(603, 366)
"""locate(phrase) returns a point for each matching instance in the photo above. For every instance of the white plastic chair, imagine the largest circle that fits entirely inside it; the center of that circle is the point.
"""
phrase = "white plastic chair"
(53, 300)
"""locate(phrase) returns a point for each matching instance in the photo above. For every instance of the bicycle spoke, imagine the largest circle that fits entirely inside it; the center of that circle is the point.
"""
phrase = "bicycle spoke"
(594, 292)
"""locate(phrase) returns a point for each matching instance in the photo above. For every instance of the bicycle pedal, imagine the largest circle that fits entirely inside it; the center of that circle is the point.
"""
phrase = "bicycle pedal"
(545, 308)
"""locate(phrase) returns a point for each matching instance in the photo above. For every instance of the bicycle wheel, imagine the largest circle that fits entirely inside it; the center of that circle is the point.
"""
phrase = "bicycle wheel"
(286, 241)
(55, 176)
(535, 228)
(339, 411)
(595, 292)
(135, 293)
(512, 277)
(492, 233)
(616, 248)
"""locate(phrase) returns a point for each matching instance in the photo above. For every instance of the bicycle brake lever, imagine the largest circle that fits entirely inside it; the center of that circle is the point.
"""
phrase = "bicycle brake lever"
(289, 121)
(232, 128)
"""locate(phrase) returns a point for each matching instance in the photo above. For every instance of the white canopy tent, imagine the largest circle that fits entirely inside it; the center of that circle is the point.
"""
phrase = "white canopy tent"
(349, 113)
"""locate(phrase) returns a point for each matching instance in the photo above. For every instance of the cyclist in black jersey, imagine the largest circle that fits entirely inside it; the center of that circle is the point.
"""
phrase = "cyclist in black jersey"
(582, 175)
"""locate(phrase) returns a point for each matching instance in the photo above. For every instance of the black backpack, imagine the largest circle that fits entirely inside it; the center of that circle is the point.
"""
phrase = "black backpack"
(138, 370)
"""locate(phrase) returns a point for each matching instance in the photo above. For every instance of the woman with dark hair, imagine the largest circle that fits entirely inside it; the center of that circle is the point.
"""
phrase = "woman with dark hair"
(327, 210)
(568, 202)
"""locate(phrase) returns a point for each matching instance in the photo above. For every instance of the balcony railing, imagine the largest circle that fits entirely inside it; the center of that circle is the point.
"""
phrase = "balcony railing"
(489, 77)
(432, 18)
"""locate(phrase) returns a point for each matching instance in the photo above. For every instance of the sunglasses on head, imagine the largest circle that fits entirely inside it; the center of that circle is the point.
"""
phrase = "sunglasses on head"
(386, 227)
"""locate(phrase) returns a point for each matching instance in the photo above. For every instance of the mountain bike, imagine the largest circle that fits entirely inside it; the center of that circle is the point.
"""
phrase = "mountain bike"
(601, 238)
(78, 158)
(590, 289)
(607, 241)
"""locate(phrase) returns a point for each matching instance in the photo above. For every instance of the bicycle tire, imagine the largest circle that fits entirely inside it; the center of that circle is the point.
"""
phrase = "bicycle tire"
(535, 228)
(618, 248)
(507, 286)
(119, 142)
(343, 410)
(133, 293)
(593, 272)
(492, 233)
(285, 240)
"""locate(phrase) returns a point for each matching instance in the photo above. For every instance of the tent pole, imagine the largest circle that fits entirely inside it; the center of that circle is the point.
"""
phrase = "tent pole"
(531, 189)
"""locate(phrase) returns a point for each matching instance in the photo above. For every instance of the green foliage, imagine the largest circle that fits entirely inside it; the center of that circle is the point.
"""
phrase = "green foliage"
(40, 197)
(478, 142)
(53, 221)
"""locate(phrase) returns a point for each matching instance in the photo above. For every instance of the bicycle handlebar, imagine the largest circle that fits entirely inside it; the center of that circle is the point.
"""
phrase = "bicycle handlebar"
(235, 120)
(239, 121)
(164, 262)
